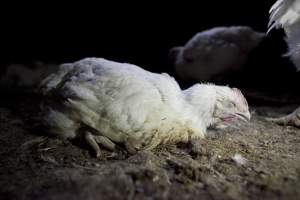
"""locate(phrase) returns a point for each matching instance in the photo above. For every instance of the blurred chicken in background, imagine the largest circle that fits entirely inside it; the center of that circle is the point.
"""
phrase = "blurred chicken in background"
(25, 77)
(212, 54)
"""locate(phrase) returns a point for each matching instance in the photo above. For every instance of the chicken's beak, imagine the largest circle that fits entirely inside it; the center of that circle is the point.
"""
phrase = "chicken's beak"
(244, 116)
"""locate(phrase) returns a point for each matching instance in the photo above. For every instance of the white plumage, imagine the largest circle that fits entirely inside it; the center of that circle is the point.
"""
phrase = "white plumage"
(286, 14)
(109, 102)
(215, 52)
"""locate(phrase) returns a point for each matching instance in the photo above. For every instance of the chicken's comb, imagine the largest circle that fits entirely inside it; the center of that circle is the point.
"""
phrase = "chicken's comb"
(239, 93)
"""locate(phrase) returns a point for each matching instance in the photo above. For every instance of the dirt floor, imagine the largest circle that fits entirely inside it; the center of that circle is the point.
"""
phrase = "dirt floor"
(34, 166)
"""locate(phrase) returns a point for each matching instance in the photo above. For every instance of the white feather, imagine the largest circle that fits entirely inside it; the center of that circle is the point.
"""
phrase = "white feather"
(239, 159)
(286, 14)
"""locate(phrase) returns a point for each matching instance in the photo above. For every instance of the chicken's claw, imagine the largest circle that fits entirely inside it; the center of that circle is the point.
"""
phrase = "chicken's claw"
(292, 119)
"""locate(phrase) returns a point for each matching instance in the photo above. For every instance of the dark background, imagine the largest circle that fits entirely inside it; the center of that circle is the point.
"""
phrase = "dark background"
(139, 33)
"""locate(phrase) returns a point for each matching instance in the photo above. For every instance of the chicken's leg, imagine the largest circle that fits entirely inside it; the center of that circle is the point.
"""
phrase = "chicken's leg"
(92, 142)
(105, 142)
(292, 119)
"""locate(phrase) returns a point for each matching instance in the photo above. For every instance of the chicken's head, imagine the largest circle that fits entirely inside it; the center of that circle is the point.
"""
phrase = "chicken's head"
(230, 104)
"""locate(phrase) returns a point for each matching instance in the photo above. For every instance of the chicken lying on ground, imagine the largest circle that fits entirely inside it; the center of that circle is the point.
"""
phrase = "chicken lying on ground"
(117, 103)
(286, 14)
(214, 53)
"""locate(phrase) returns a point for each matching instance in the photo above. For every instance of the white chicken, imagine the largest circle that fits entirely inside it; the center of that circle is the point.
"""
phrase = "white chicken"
(113, 103)
(286, 14)
(213, 53)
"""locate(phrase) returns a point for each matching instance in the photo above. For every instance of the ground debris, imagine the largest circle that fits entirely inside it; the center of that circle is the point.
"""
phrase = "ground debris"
(259, 160)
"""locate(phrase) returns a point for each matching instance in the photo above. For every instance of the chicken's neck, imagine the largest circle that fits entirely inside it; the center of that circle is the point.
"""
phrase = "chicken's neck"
(202, 99)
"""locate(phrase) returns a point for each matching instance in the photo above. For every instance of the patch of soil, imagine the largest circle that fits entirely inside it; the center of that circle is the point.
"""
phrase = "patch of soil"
(34, 166)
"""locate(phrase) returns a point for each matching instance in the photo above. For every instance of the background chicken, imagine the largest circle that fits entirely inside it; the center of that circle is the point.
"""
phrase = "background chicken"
(213, 53)
(25, 77)
(286, 14)
(110, 102)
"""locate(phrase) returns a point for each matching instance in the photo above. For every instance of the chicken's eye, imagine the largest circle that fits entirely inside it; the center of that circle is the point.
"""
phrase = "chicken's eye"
(232, 104)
